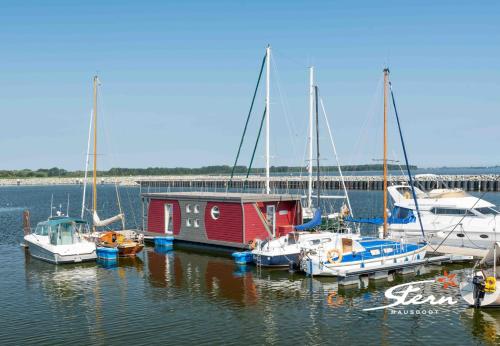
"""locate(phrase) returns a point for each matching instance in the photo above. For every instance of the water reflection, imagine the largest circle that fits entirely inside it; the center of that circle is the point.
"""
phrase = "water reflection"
(484, 324)
(214, 276)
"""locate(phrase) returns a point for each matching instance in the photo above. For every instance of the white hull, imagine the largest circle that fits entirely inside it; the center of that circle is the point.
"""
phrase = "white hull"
(491, 300)
(40, 248)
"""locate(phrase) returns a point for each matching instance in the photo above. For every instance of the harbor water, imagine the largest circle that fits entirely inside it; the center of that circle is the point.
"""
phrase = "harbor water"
(198, 295)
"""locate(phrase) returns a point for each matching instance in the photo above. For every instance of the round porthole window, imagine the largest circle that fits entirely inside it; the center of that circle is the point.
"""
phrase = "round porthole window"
(484, 236)
(460, 235)
(215, 213)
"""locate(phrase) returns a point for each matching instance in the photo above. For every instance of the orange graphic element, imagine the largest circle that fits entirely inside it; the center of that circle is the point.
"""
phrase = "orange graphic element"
(447, 280)
(334, 299)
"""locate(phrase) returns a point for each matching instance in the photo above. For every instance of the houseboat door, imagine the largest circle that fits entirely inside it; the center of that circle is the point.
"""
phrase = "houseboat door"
(169, 215)
(271, 217)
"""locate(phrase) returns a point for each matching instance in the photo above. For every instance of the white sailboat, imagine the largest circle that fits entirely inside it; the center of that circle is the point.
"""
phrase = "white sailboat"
(285, 251)
(345, 254)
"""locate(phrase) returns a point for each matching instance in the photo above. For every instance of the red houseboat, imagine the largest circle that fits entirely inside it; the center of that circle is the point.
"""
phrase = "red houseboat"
(219, 218)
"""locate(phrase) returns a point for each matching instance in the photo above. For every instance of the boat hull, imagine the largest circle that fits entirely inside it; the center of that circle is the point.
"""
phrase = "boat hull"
(42, 253)
(277, 260)
(129, 250)
(490, 300)
(317, 267)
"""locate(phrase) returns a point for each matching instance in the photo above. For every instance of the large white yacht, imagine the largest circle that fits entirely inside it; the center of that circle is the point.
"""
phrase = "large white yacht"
(449, 217)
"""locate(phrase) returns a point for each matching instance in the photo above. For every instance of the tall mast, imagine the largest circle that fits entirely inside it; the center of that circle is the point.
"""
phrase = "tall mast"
(310, 137)
(317, 145)
(94, 183)
(386, 78)
(268, 78)
(86, 166)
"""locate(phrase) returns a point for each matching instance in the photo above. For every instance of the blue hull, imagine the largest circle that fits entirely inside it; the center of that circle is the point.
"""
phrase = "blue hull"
(276, 261)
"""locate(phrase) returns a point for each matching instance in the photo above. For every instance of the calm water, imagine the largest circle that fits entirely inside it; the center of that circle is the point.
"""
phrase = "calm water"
(191, 296)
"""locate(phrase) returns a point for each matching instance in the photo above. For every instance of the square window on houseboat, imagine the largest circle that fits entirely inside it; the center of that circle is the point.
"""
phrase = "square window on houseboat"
(196, 223)
(188, 208)
(188, 222)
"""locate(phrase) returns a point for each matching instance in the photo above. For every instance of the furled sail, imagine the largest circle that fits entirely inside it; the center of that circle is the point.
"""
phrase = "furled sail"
(315, 221)
(101, 223)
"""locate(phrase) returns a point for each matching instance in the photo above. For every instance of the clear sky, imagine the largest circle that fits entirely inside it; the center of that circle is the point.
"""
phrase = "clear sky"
(177, 78)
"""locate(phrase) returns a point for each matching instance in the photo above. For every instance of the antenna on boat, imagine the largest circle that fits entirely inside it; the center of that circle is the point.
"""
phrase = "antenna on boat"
(310, 137)
(268, 79)
(386, 79)
(67, 206)
(51, 204)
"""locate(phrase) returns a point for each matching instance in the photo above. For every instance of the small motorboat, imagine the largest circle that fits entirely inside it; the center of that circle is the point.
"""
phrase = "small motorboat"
(128, 243)
(480, 289)
(61, 239)
(344, 254)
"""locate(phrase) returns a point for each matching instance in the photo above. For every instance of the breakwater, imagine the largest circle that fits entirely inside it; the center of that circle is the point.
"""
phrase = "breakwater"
(283, 183)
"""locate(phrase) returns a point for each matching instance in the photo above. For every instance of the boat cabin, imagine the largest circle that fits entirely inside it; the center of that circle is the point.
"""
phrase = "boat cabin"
(219, 218)
(62, 230)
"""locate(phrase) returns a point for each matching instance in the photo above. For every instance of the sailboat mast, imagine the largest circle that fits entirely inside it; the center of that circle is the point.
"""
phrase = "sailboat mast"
(268, 80)
(86, 165)
(310, 137)
(386, 78)
(317, 145)
(94, 182)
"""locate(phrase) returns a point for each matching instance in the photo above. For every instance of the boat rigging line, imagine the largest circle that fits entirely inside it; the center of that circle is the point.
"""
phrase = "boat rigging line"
(248, 116)
(410, 177)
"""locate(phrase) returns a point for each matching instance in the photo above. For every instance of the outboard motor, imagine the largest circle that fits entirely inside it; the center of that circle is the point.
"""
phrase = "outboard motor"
(478, 293)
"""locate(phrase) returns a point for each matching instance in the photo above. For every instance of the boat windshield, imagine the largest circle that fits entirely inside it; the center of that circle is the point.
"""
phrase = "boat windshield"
(63, 234)
(42, 229)
(487, 211)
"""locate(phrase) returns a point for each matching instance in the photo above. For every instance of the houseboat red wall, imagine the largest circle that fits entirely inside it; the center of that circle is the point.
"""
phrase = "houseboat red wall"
(229, 226)
(156, 216)
(254, 227)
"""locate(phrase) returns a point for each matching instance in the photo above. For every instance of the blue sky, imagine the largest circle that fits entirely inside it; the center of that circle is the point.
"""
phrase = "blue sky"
(177, 79)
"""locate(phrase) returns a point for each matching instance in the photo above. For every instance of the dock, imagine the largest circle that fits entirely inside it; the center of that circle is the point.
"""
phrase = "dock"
(353, 276)
(286, 183)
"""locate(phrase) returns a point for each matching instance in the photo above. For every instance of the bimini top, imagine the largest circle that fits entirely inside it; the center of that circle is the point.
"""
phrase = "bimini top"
(57, 220)
(234, 197)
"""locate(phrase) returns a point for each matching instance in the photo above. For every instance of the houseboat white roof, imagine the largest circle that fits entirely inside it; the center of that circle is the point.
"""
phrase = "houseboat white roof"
(222, 196)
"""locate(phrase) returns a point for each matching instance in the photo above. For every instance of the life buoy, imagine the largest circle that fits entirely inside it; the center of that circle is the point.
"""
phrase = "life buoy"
(252, 244)
(330, 254)
(490, 284)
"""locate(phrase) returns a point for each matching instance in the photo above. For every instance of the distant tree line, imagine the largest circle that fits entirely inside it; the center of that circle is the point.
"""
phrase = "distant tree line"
(207, 170)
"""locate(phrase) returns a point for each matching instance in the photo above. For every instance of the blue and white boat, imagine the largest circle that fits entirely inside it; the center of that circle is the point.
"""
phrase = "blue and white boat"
(345, 254)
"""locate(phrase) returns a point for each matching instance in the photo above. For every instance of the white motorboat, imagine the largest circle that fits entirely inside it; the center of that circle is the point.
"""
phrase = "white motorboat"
(61, 239)
(480, 289)
(449, 216)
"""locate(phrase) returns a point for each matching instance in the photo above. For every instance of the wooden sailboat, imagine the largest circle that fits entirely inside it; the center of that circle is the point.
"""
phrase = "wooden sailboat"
(128, 242)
